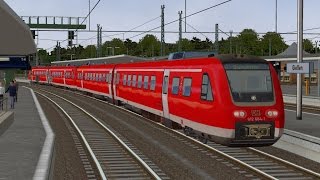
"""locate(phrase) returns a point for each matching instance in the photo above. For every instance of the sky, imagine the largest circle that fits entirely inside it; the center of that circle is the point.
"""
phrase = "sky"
(112, 15)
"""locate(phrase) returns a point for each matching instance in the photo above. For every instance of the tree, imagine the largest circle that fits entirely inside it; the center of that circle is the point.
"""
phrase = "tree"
(150, 46)
(132, 47)
(196, 42)
(248, 42)
(115, 46)
(272, 42)
(186, 45)
(308, 46)
(43, 56)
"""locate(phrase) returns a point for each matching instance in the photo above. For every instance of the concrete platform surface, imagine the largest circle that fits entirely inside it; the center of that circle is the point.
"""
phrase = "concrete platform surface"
(310, 123)
(21, 144)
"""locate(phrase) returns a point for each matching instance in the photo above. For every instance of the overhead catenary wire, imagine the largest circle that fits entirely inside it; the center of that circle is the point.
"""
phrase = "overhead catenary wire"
(216, 5)
(197, 30)
(88, 14)
(151, 20)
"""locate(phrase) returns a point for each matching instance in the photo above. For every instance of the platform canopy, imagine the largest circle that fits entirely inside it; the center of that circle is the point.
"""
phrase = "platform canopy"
(15, 37)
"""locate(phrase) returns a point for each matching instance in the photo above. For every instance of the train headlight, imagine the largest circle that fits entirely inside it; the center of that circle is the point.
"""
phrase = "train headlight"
(239, 114)
(272, 113)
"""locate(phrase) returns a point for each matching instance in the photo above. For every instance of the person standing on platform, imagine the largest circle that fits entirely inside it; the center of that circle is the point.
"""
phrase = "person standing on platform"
(2, 91)
(17, 87)
(12, 93)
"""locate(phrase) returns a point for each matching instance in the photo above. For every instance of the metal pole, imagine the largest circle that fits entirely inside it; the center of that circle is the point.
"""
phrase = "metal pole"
(185, 15)
(162, 31)
(180, 31)
(276, 16)
(89, 15)
(37, 55)
(318, 72)
(217, 38)
(98, 38)
(230, 39)
(318, 78)
(299, 58)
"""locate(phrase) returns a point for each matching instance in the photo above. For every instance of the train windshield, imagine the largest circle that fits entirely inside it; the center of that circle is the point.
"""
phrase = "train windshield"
(250, 82)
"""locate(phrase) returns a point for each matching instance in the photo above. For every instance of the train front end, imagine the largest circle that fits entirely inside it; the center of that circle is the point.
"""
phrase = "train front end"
(256, 110)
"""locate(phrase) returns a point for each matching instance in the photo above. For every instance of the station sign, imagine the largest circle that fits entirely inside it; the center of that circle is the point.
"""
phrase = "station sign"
(298, 68)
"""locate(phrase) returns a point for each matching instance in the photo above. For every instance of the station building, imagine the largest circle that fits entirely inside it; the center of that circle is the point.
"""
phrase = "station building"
(290, 56)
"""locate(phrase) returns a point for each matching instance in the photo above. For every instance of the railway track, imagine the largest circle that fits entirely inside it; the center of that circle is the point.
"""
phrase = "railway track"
(263, 164)
(112, 157)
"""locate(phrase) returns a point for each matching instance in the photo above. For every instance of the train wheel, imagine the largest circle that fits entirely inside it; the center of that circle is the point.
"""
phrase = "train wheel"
(203, 139)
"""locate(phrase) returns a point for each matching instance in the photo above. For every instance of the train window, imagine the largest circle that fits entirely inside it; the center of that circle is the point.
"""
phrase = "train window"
(153, 83)
(100, 77)
(165, 85)
(118, 78)
(107, 78)
(110, 78)
(124, 79)
(104, 77)
(139, 81)
(206, 90)
(186, 86)
(145, 82)
(129, 80)
(175, 85)
(134, 80)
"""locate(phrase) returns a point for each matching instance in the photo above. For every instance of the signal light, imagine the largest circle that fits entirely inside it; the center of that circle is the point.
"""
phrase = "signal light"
(33, 32)
(70, 34)
(70, 42)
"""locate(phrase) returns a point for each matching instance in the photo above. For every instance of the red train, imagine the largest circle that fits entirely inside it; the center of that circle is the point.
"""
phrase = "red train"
(231, 100)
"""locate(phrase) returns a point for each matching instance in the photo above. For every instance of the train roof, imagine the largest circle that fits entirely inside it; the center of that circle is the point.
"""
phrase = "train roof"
(119, 59)
(226, 58)
(16, 38)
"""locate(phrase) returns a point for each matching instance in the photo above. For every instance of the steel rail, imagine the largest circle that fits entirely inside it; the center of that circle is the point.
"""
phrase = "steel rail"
(102, 174)
(154, 175)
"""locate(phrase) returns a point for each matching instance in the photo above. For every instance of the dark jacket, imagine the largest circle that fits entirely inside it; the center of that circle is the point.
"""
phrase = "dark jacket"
(12, 90)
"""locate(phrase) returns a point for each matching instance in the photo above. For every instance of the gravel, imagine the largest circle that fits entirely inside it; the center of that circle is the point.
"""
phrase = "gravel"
(67, 163)
(170, 152)
(293, 158)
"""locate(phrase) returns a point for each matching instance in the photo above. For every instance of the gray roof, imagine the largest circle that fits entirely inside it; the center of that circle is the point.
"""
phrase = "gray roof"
(291, 51)
(102, 60)
(15, 36)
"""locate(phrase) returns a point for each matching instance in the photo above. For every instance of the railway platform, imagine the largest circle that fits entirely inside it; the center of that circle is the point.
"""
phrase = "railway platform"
(25, 152)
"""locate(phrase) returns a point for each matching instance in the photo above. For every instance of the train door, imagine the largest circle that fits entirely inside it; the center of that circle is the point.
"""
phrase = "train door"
(165, 85)
(111, 83)
(49, 76)
(81, 78)
(64, 77)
